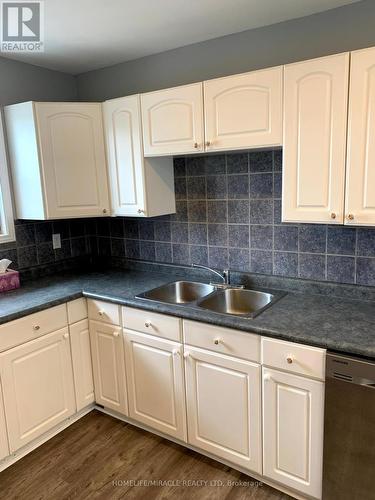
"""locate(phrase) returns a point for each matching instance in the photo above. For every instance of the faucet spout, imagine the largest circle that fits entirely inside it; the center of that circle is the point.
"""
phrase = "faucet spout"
(224, 276)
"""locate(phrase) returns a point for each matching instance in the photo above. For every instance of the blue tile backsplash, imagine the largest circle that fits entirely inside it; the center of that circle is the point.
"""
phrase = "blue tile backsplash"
(229, 215)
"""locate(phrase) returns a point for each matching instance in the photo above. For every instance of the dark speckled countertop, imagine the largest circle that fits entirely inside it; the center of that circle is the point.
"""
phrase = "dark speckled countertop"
(338, 324)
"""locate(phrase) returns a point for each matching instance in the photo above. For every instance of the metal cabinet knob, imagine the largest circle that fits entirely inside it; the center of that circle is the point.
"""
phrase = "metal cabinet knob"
(116, 334)
(186, 355)
(148, 324)
(217, 341)
(350, 217)
(333, 215)
(176, 352)
(289, 360)
(208, 143)
(104, 210)
(267, 377)
(36, 327)
(66, 336)
(140, 211)
(101, 313)
(196, 145)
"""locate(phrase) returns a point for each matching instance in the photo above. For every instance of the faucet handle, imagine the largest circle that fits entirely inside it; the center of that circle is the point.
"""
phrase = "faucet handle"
(226, 276)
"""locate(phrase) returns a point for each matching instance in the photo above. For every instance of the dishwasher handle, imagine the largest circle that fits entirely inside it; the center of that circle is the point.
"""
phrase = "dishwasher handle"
(348, 369)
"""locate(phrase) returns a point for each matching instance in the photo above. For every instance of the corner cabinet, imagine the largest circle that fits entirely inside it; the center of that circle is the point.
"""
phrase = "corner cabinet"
(173, 121)
(244, 111)
(360, 174)
(57, 159)
(315, 119)
(139, 186)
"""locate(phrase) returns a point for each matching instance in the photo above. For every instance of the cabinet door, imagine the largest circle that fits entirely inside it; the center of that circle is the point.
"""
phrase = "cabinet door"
(360, 180)
(293, 431)
(315, 118)
(122, 122)
(172, 121)
(156, 384)
(38, 387)
(223, 407)
(82, 366)
(244, 111)
(4, 447)
(71, 143)
(108, 366)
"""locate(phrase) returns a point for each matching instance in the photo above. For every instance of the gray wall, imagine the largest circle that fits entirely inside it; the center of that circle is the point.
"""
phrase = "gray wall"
(24, 82)
(338, 30)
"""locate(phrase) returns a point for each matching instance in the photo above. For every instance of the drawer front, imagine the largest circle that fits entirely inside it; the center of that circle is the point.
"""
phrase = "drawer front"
(77, 310)
(156, 324)
(295, 358)
(104, 311)
(223, 340)
(33, 326)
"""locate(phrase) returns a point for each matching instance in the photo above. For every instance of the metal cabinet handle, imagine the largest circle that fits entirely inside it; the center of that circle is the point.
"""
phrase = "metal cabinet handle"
(148, 324)
(196, 145)
(333, 215)
(208, 143)
(217, 341)
(289, 359)
(350, 217)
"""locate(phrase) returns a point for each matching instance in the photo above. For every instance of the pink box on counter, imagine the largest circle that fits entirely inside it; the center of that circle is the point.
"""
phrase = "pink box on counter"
(10, 280)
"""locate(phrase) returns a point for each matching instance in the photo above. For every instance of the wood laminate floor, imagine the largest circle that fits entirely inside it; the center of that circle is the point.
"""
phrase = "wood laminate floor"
(101, 457)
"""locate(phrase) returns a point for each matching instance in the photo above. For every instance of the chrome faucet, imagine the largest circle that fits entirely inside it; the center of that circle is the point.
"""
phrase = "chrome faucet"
(225, 275)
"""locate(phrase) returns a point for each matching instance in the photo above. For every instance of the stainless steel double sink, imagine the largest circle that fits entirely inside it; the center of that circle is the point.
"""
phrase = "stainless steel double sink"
(230, 301)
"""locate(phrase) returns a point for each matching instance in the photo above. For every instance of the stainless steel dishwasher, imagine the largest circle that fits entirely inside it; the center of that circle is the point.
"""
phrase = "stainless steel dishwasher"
(349, 431)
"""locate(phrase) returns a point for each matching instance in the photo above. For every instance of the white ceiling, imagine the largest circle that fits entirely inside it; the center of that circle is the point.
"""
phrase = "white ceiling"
(81, 35)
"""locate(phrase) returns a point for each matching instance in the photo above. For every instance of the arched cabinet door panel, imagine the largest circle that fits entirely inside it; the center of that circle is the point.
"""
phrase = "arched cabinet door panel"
(172, 121)
(315, 122)
(244, 111)
(360, 171)
(71, 144)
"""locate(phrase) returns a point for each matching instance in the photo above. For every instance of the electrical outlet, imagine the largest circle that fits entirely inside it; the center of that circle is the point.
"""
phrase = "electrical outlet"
(56, 241)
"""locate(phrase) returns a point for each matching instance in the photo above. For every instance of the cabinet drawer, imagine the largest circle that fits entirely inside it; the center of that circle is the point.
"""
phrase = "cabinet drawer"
(295, 358)
(160, 325)
(33, 326)
(104, 311)
(77, 310)
(224, 340)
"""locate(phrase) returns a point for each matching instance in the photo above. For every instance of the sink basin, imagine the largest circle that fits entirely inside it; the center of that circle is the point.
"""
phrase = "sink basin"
(237, 302)
(179, 292)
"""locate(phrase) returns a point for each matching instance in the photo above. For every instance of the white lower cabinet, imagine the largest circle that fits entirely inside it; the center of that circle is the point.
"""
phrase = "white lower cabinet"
(4, 447)
(82, 366)
(38, 388)
(108, 366)
(156, 383)
(224, 407)
(293, 431)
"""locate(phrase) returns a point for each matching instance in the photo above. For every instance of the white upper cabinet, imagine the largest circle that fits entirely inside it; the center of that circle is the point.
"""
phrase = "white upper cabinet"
(315, 119)
(173, 121)
(360, 180)
(57, 159)
(139, 186)
(244, 111)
